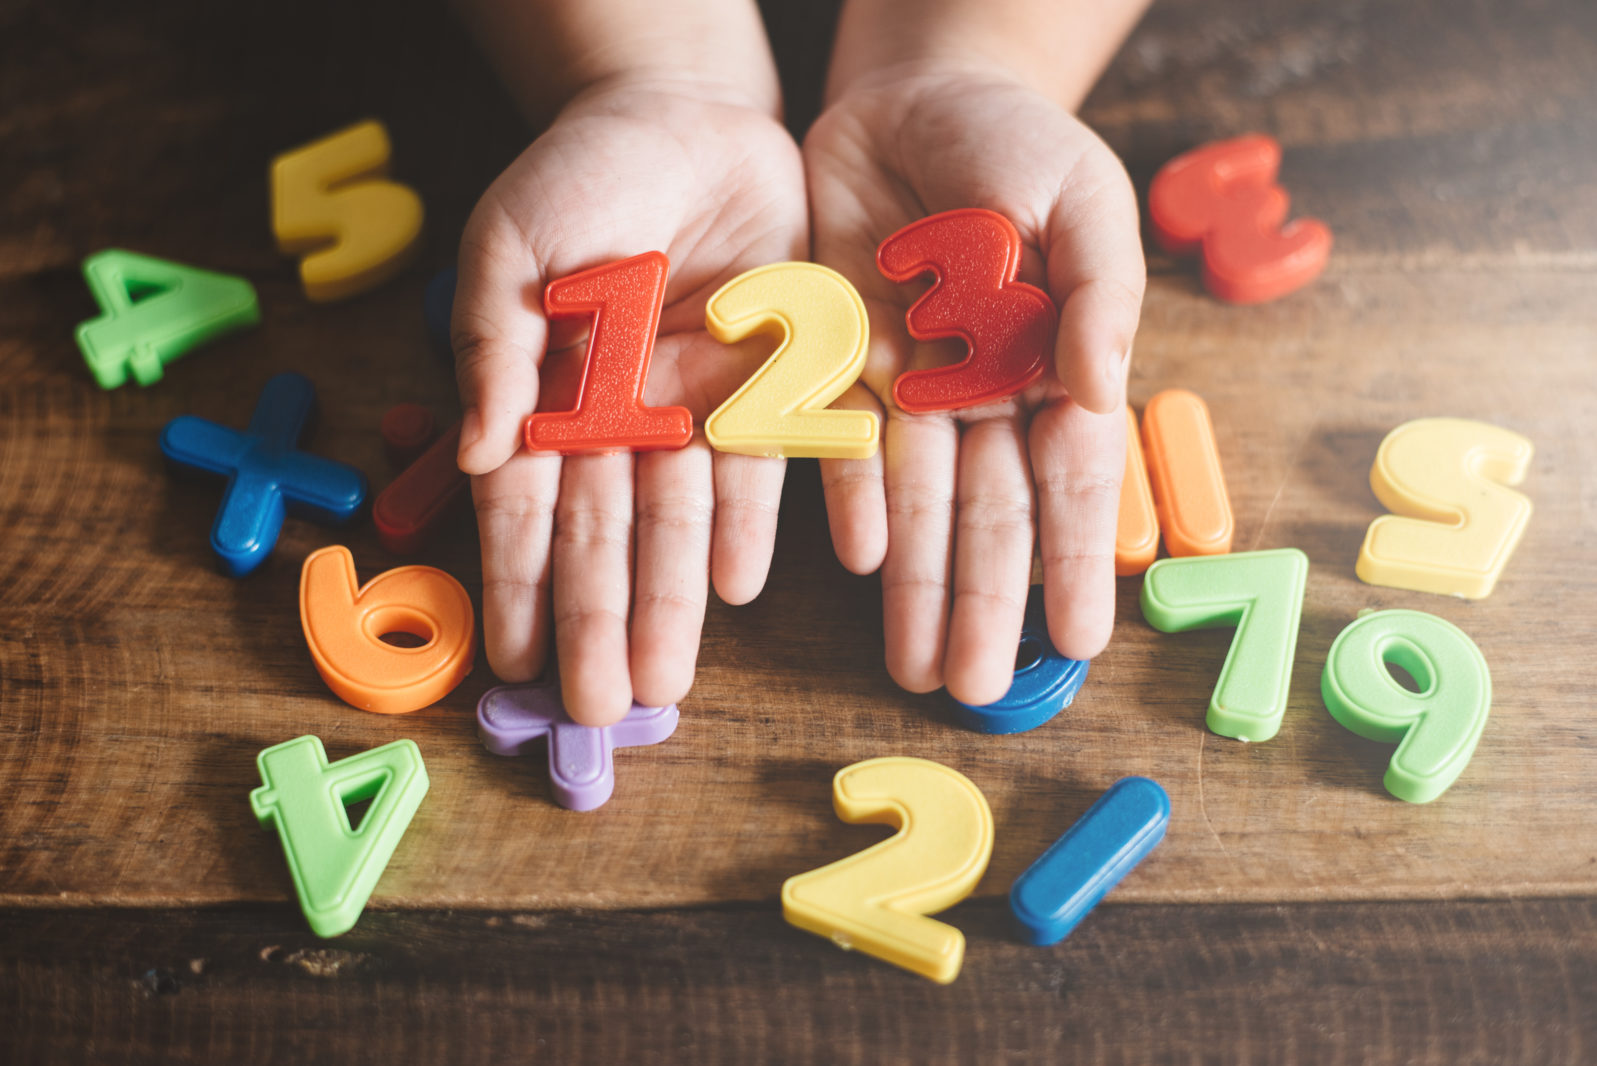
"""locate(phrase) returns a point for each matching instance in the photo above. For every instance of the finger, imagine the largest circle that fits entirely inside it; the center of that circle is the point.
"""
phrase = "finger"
(498, 334)
(1077, 460)
(592, 585)
(676, 496)
(992, 560)
(918, 457)
(748, 495)
(515, 518)
(1096, 274)
(856, 504)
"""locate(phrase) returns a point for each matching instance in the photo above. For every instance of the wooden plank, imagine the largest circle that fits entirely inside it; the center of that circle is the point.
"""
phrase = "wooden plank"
(1411, 984)
(138, 683)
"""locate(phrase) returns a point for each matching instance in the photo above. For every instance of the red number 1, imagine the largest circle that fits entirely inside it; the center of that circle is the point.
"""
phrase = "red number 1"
(1007, 325)
(624, 299)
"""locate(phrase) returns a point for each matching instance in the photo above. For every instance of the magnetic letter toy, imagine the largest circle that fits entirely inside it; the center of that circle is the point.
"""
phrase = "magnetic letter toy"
(1045, 682)
(415, 504)
(877, 900)
(153, 311)
(512, 718)
(623, 299)
(334, 865)
(1436, 728)
(1261, 594)
(1078, 870)
(267, 474)
(332, 201)
(1454, 522)
(1222, 198)
(344, 626)
(1007, 326)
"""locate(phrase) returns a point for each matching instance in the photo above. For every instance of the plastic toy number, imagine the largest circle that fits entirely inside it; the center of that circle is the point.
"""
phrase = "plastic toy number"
(624, 300)
(1436, 728)
(877, 900)
(1261, 593)
(1454, 523)
(780, 411)
(332, 200)
(1045, 681)
(1184, 469)
(334, 865)
(344, 626)
(415, 504)
(1008, 325)
(1223, 199)
(1137, 530)
(153, 311)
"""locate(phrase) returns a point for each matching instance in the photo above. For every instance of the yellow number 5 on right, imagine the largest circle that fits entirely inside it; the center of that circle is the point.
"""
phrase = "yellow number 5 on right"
(331, 199)
(1454, 522)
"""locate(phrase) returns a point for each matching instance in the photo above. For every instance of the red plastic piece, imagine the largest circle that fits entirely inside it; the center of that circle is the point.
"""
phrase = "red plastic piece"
(624, 299)
(407, 429)
(1007, 325)
(409, 511)
(1223, 198)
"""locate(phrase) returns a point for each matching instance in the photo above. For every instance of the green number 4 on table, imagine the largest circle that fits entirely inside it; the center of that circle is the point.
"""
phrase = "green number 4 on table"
(1261, 594)
(334, 866)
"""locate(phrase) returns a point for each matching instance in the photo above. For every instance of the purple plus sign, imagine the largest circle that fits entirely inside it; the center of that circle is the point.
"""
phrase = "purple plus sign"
(511, 718)
(265, 471)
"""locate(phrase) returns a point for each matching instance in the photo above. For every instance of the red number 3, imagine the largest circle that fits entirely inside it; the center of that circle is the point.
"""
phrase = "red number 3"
(1007, 325)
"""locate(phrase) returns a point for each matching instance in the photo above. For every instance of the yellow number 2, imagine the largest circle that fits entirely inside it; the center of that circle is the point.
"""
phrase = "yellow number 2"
(878, 899)
(1454, 523)
(780, 411)
(331, 199)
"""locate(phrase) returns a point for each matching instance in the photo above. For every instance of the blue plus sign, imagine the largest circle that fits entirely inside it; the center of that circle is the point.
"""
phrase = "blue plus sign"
(266, 472)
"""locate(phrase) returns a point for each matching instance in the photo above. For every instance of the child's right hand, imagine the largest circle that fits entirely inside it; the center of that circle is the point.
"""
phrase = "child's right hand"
(617, 550)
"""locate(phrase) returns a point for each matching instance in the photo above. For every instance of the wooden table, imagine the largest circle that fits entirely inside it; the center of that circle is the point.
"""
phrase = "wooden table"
(1295, 912)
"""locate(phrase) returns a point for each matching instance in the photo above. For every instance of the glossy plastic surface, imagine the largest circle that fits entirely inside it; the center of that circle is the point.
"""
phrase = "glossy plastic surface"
(1183, 460)
(1045, 682)
(333, 203)
(406, 429)
(1007, 325)
(417, 503)
(1261, 594)
(1435, 729)
(437, 308)
(1137, 529)
(1454, 523)
(335, 866)
(511, 719)
(153, 311)
(1223, 198)
(267, 474)
(1077, 871)
(623, 299)
(878, 899)
(344, 626)
(822, 330)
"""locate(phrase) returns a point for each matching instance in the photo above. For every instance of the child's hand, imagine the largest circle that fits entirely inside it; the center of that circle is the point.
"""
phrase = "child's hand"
(617, 550)
(950, 506)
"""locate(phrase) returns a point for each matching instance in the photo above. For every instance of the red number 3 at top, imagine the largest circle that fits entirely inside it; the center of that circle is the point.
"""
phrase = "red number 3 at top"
(1008, 325)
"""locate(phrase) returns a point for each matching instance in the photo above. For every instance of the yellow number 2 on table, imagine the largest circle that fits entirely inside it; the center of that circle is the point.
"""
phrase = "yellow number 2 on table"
(781, 410)
(1454, 522)
(878, 899)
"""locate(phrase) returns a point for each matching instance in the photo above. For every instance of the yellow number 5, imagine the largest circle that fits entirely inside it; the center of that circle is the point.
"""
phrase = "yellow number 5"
(878, 899)
(780, 411)
(1454, 523)
(331, 199)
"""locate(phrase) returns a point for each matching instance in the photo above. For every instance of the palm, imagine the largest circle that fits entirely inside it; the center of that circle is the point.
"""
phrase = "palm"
(951, 510)
(615, 550)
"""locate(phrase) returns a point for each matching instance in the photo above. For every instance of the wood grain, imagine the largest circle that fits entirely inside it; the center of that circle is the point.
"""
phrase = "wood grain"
(1461, 984)
(1451, 148)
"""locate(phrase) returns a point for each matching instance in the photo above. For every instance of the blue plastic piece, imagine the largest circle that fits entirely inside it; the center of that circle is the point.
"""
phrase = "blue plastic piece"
(1056, 892)
(1045, 681)
(437, 306)
(266, 472)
